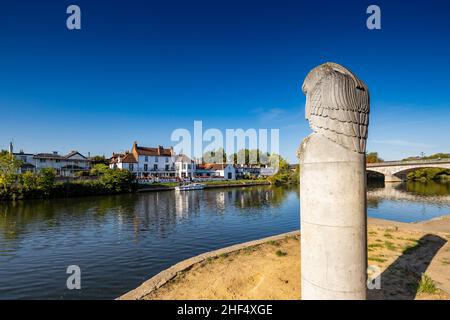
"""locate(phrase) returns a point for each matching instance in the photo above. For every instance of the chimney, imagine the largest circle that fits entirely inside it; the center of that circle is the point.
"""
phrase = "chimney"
(11, 148)
(55, 152)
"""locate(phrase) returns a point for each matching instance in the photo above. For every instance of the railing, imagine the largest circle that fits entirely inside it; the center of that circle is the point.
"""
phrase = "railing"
(408, 162)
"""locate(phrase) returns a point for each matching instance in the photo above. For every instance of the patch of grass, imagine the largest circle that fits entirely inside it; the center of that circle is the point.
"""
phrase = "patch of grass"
(375, 245)
(426, 285)
(445, 261)
(379, 240)
(248, 250)
(390, 246)
(224, 255)
(388, 235)
(274, 243)
(377, 259)
(280, 253)
(210, 259)
(373, 233)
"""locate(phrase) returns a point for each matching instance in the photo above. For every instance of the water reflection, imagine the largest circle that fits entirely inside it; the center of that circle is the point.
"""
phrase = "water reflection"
(409, 201)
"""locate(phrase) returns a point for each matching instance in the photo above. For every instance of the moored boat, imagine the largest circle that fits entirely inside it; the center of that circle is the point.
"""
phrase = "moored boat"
(191, 186)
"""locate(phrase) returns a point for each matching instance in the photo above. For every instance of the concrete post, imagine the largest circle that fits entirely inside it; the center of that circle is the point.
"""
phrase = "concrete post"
(333, 186)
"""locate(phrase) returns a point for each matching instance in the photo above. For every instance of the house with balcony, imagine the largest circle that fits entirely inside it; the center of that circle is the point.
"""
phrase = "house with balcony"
(64, 165)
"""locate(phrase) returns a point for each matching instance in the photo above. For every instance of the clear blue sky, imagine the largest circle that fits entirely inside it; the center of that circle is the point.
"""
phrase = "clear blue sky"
(139, 69)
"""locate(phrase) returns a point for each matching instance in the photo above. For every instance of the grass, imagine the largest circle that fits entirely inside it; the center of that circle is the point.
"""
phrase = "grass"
(280, 253)
(375, 245)
(377, 259)
(390, 246)
(274, 243)
(388, 235)
(445, 261)
(426, 285)
(224, 255)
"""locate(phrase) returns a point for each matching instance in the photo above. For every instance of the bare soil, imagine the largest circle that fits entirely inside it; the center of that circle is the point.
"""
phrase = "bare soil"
(413, 259)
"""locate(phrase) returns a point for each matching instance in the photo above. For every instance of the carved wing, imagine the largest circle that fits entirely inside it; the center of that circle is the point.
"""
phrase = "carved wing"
(338, 108)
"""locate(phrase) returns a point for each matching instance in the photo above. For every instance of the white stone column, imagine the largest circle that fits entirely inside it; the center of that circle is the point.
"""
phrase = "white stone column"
(333, 186)
(333, 221)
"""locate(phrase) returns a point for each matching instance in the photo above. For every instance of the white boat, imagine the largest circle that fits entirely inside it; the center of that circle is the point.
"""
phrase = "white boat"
(191, 186)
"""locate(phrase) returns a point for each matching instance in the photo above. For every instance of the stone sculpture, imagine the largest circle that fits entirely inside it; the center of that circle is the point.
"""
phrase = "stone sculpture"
(333, 185)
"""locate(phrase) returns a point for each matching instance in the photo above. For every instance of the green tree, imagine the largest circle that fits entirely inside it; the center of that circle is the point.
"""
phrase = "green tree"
(215, 156)
(372, 157)
(9, 167)
(99, 160)
(46, 179)
(99, 169)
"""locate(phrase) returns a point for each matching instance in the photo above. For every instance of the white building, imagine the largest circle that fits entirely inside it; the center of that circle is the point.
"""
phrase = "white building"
(157, 162)
(216, 170)
(64, 165)
(184, 166)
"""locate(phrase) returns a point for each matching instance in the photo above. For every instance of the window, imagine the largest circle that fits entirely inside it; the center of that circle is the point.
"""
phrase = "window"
(156, 159)
(57, 161)
(131, 166)
(155, 167)
(167, 159)
(167, 167)
(42, 160)
(146, 158)
(145, 166)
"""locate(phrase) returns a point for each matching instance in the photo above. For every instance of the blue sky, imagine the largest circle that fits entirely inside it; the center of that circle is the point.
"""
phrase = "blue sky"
(140, 69)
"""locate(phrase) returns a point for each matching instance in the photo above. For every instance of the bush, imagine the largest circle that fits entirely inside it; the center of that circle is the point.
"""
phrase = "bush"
(44, 185)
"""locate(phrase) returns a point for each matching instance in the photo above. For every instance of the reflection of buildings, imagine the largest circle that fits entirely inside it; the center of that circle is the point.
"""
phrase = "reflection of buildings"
(397, 192)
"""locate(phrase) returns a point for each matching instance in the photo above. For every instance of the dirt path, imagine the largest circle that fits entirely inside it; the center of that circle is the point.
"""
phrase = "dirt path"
(414, 261)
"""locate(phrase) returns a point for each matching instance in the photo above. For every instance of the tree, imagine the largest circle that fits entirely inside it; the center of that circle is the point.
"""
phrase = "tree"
(215, 156)
(99, 160)
(372, 157)
(9, 167)
(99, 169)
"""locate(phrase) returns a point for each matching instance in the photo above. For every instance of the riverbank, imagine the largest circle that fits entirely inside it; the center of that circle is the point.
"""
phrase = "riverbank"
(414, 259)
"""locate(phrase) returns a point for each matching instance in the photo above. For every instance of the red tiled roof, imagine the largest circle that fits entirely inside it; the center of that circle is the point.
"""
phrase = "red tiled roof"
(129, 158)
(214, 166)
(144, 151)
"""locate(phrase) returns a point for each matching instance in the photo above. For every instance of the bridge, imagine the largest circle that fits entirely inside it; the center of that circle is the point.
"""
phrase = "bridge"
(396, 171)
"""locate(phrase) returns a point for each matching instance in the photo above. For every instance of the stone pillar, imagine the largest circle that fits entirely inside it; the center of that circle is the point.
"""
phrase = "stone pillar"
(391, 178)
(333, 186)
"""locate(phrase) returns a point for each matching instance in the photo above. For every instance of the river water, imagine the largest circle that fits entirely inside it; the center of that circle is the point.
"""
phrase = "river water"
(120, 241)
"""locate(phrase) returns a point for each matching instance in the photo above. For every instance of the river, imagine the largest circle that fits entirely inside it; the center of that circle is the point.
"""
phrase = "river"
(120, 241)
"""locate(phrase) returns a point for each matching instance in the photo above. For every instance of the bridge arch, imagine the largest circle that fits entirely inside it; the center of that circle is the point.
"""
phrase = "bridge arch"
(396, 171)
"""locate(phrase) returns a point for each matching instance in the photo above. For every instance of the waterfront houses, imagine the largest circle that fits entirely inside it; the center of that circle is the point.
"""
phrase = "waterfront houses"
(64, 165)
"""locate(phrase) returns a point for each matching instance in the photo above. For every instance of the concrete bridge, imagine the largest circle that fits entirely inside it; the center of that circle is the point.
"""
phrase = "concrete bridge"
(396, 171)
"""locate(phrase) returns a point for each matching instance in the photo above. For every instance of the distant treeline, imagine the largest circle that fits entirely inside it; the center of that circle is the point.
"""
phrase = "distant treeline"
(428, 174)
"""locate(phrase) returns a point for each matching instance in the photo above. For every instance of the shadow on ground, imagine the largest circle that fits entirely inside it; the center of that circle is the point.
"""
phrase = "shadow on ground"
(400, 281)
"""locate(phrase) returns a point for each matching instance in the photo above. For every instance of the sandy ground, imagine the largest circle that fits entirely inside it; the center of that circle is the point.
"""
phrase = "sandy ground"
(402, 252)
